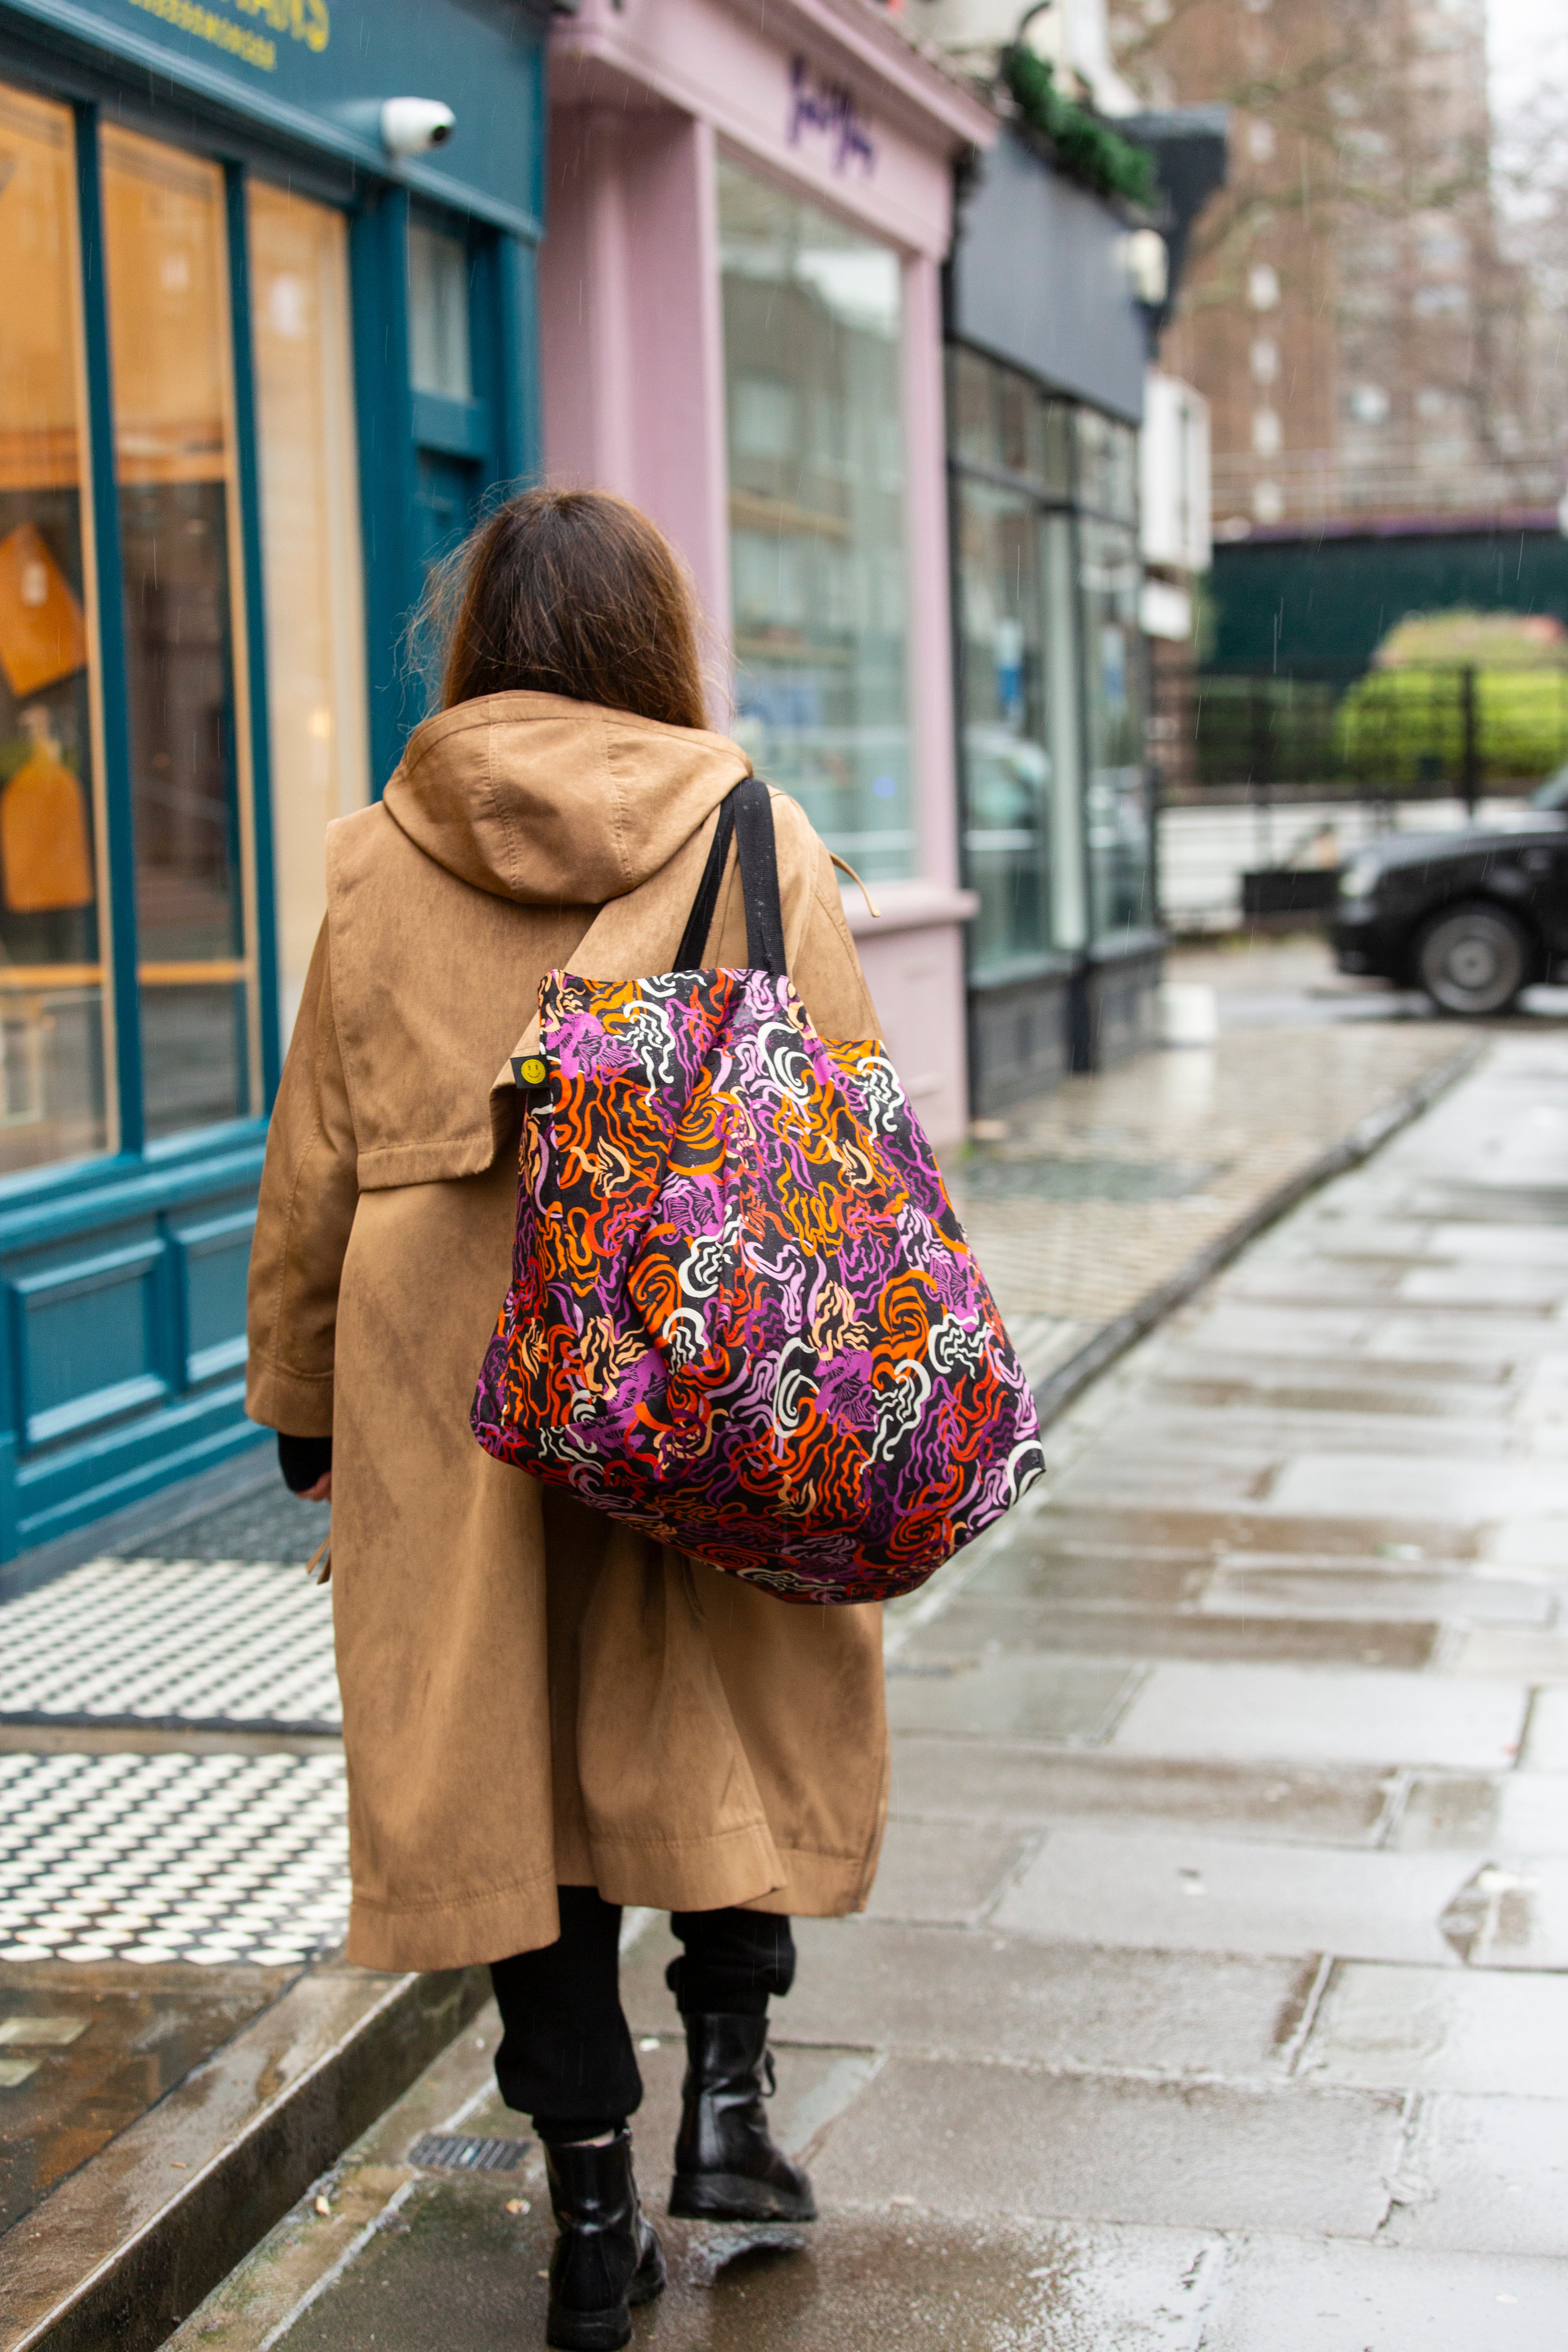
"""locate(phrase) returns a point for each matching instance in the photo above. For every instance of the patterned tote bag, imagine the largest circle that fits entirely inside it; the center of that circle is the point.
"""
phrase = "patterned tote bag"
(743, 1316)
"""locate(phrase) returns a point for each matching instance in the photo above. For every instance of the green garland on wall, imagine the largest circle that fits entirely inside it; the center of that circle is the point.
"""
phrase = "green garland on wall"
(1087, 149)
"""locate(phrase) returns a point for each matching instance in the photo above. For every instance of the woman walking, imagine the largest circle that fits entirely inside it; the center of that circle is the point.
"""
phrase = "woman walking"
(546, 1715)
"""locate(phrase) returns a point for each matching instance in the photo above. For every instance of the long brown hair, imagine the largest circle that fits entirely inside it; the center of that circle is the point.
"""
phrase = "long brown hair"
(574, 592)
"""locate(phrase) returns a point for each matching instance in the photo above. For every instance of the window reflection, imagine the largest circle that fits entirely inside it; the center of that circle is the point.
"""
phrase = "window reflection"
(1118, 809)
(310, 537)
(51, 1020)
(1007, 764)
(812, 328)
(171, 356)
(439, 360)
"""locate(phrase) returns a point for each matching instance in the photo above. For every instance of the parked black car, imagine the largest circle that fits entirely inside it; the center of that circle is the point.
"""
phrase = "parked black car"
(1471, 917)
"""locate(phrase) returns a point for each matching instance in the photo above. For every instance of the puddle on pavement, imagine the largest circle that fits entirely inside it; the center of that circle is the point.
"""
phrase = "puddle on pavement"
(453, 2268)
(80, 2057)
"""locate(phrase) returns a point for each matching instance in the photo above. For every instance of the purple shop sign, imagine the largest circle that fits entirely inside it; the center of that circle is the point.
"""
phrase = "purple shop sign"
(831, 108)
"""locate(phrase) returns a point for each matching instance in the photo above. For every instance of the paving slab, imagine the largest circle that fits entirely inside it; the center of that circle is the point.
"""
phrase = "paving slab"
(973, 1628)
(950, 1779)
(1536, 1287)
(1176, 1893)
(1470, 2030)
(1369, 1389)
(1546, 1744)
(1036, 1565)
(1540, 1543)
(1468, 1343)
(1460, 1492)
(941, 1872)
(1280, 2295)
(1317, 1536)
(972, 2141)
(1263, 1433)
(1010, 1698)
(1535, 1657)
(1321, 1713)
(1483, 2176)
(1508, 1813)
(955, 1995)
(1375, 1591)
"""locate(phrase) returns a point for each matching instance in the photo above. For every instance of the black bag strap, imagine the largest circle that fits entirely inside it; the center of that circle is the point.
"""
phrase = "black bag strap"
(748, 815)
(700, 922)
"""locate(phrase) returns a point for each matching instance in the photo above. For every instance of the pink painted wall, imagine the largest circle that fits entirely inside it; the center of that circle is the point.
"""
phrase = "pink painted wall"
(728, 62)
(631, 333)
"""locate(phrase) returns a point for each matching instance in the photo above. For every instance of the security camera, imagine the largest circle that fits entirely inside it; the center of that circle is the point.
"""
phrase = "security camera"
(412, 126)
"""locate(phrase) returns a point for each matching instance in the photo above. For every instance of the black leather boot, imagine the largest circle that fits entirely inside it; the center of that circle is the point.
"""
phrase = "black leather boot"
(726, 2166)
(607, 2256)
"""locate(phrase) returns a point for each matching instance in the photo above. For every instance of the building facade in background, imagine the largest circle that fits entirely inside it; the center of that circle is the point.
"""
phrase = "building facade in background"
(1046, 382)
(254, 368)
(1349, 316)
(1060, 434)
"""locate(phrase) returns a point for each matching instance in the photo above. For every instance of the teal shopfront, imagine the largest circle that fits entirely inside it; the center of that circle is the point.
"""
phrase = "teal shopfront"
(265, 344)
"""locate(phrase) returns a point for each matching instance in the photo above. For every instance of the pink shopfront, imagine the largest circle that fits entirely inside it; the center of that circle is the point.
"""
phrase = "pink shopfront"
(741, 329)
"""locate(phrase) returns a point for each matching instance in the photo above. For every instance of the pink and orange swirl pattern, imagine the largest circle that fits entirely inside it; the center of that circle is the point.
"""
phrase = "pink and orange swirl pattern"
(743, 1316)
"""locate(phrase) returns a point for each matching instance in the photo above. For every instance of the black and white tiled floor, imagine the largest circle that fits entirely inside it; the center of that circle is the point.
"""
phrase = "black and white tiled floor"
(172, 1857)
(171, 1642)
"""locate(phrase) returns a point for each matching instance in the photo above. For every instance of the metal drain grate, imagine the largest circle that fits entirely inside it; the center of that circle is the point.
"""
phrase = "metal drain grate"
(460, 2152)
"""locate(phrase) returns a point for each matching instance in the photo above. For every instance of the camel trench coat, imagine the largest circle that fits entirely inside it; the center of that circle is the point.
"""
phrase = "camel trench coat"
(532, 1695)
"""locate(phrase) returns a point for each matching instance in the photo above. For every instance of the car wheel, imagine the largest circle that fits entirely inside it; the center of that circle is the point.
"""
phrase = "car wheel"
(1474, 959)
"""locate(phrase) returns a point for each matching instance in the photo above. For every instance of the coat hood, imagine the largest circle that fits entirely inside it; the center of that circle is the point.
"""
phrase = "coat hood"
(547, 801)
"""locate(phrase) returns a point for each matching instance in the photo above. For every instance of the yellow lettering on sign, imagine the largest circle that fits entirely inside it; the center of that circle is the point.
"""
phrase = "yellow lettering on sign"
(303, 20)
(206, 26)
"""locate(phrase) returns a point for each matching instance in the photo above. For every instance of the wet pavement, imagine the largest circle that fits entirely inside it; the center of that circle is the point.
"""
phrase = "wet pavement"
(1083, 1203)
(1212, 1996)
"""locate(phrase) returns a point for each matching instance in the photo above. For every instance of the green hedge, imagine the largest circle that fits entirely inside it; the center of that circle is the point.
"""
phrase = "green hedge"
(1407, 726)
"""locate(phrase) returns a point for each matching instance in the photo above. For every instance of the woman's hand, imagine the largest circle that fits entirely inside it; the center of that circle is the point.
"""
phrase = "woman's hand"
(321, 1492)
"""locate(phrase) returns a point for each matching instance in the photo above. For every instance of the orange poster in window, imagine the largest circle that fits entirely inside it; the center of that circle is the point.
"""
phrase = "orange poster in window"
(44, 846)
(43, 635)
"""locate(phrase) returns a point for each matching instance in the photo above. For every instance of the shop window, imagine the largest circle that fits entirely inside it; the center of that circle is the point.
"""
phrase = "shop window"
(310, 546)
(52, 1089)
(1117, 801)
(1107, 465)
(441, 360)
(1021, 836)
(1007, 762)
(171, 359)
(1003, 421)
(451, 428)
(813, 344)
(971, 408)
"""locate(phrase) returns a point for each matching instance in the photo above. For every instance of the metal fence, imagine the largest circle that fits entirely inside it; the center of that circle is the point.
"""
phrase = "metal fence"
(1411, 732)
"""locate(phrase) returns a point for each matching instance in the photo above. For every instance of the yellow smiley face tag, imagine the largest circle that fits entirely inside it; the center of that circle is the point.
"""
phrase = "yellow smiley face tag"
(531, 1070)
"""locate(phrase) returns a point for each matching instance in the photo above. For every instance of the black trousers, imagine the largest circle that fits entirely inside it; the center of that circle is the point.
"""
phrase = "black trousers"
(566, 2057)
